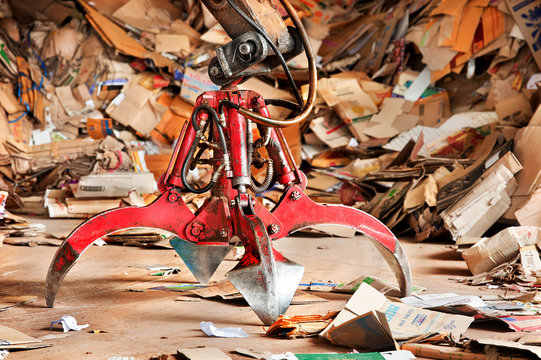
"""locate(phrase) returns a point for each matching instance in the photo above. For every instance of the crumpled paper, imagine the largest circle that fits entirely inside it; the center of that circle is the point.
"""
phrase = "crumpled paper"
(69, 323)
(211, 330)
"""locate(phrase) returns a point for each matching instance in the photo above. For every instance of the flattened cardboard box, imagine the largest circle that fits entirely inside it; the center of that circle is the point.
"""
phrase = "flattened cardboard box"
(404, 321)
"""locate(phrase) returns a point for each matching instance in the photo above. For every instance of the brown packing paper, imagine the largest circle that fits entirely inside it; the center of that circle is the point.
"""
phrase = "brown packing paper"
(426, 38)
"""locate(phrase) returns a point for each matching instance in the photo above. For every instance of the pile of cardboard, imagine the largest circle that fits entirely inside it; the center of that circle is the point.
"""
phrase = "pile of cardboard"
(418, 105)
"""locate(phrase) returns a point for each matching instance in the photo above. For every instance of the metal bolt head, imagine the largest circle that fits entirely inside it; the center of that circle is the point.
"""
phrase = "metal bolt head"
(223, 233)
(172, 197)
(273, 228)
(195, 231)
(245, 48)
(295, 195)
(214, 71)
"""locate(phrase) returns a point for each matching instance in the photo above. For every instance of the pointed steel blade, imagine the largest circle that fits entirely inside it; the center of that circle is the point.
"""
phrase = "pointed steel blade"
(63, 261)
(202, 260)
(268, 293)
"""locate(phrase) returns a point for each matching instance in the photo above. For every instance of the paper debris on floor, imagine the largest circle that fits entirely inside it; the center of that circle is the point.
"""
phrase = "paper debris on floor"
(68, 323)
(228, 332)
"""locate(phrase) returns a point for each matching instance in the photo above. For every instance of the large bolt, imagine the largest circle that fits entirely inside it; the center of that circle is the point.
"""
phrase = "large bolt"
(223, 233)
(214, 71)
(295, 195)
(196, 231)
(273, 228)
(172, 198)
(245, 48)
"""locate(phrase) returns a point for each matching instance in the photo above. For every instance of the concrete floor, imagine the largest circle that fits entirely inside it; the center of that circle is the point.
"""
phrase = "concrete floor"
(141, 324)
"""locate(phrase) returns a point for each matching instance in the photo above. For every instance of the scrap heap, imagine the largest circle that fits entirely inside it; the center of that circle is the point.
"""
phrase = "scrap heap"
(425, 115)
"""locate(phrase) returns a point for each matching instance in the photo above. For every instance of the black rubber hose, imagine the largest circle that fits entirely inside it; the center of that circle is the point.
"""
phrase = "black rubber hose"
(195, 143)
(284, 103)
(227, 103)
(269, 176)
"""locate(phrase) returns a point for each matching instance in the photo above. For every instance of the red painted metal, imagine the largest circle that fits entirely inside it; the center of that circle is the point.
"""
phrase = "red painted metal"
(296, 211)
(228, 212)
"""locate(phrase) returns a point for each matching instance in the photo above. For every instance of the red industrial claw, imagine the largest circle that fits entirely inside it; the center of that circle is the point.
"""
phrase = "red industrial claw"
(265, 278)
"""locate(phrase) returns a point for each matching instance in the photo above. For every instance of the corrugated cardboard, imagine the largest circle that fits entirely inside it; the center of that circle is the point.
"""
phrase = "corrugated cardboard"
(204, 353)
(504, 246)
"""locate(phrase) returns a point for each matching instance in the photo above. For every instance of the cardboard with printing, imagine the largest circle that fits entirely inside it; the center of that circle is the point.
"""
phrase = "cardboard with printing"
(530, 261)
(404, 321)
(526, 16)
